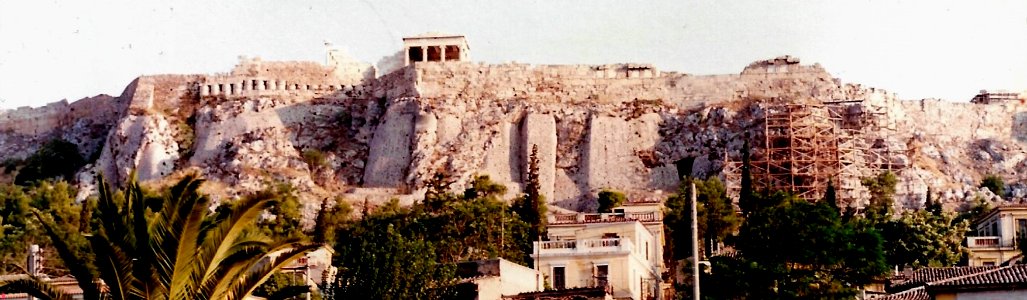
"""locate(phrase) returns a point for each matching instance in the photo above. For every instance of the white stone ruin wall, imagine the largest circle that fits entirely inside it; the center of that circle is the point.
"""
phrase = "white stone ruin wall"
(540, 130)
(390, 149)
(501, 163)
(609, 155)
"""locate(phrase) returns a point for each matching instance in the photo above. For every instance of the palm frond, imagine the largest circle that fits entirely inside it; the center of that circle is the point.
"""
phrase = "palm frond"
(180, 231)
(76, 266)
(223, 235)
(115, 268)
(33, 286)
(249, 282)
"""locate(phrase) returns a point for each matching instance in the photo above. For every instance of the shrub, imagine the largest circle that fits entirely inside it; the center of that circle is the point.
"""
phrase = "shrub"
(608, 199)
(55, 159)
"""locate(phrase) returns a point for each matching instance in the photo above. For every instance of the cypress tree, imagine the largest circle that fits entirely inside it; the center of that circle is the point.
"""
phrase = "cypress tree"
(831, 196)
(745, 196)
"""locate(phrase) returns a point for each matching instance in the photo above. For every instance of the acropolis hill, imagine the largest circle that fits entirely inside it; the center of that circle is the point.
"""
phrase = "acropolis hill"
(431, 109)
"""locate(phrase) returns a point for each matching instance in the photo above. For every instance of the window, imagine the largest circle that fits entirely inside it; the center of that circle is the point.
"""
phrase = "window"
(994, 228)
(1021, 228)
(559, 279)
(646, 250)
(988, 263)
(602, 275)
(618, 211)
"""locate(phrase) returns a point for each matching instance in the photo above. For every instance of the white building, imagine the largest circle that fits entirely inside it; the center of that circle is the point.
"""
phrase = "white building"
(616, 251)
(996, 237)
(496, 278)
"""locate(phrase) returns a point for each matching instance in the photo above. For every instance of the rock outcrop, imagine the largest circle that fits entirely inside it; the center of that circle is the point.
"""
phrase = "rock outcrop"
(628, 127)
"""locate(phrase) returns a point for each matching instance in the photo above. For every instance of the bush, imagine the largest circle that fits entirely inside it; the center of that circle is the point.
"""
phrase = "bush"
(55, 159)
(608, 199)
(994, 184)
(314, 158)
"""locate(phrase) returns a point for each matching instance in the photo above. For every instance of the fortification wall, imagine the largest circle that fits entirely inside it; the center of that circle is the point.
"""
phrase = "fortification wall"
(620, 83)
(35, 121)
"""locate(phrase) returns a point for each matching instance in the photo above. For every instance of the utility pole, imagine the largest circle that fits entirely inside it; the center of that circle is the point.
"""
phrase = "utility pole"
(695, 244)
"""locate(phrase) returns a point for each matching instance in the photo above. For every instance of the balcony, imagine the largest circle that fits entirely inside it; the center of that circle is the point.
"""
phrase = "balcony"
(988, 242)
(587, 218)
(581, 247)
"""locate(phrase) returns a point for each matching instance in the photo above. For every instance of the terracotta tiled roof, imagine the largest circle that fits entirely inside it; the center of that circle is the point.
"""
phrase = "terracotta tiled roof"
(913, 294)
(925, 282)
(927, 275)
(1008, 276)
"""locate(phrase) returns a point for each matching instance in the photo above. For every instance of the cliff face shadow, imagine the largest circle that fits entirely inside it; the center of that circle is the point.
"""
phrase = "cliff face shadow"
(1019, 130)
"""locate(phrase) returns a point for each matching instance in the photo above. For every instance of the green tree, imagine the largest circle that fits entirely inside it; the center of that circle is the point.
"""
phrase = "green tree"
(746, 199)
(831, 196)
(330, 217)
(807, 251)
(979, 208)
(20, 229)
(531, 207)
(379, 262)
(608, 199)
(994, 184)
(285, 218)
(882, 196)
(409, 253)
(925, 239)
(177, 251)
(55, 159)
(717, 218)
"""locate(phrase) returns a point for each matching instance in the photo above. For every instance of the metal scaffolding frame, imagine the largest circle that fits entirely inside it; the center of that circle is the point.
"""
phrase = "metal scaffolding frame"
(802, 146)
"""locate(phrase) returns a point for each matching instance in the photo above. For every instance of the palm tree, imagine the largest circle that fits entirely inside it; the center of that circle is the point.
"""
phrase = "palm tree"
(171, 248)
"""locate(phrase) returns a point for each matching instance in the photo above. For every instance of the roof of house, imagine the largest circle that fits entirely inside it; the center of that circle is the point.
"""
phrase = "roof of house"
(1001, 208)
(922, 283)
(924, 276)
(912, 294)
(1008, 277)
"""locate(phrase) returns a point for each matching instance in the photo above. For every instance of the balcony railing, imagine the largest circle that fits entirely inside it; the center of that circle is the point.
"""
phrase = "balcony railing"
(583, 246)
(982, 242)
(586, 218)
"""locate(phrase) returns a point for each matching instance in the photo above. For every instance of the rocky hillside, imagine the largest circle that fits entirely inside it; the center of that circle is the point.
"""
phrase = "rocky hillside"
(331, 130)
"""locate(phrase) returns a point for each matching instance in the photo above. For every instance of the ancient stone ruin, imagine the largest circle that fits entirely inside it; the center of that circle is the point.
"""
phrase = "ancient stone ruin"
(382, 132)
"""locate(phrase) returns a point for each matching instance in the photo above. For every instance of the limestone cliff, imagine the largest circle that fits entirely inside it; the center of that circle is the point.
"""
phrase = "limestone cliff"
(629, 127)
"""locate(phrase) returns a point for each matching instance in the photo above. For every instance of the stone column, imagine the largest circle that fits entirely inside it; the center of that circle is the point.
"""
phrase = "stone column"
(204, 90)
(216, 89)
(406, 56)
(442, 50)
(259, 84)
(424, 53)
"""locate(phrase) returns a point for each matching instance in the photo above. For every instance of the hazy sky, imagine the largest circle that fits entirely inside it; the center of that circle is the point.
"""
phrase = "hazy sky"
(919, 49)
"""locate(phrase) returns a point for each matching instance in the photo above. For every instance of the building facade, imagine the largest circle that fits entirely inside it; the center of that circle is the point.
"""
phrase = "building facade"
(996, 236)
(613, 251)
